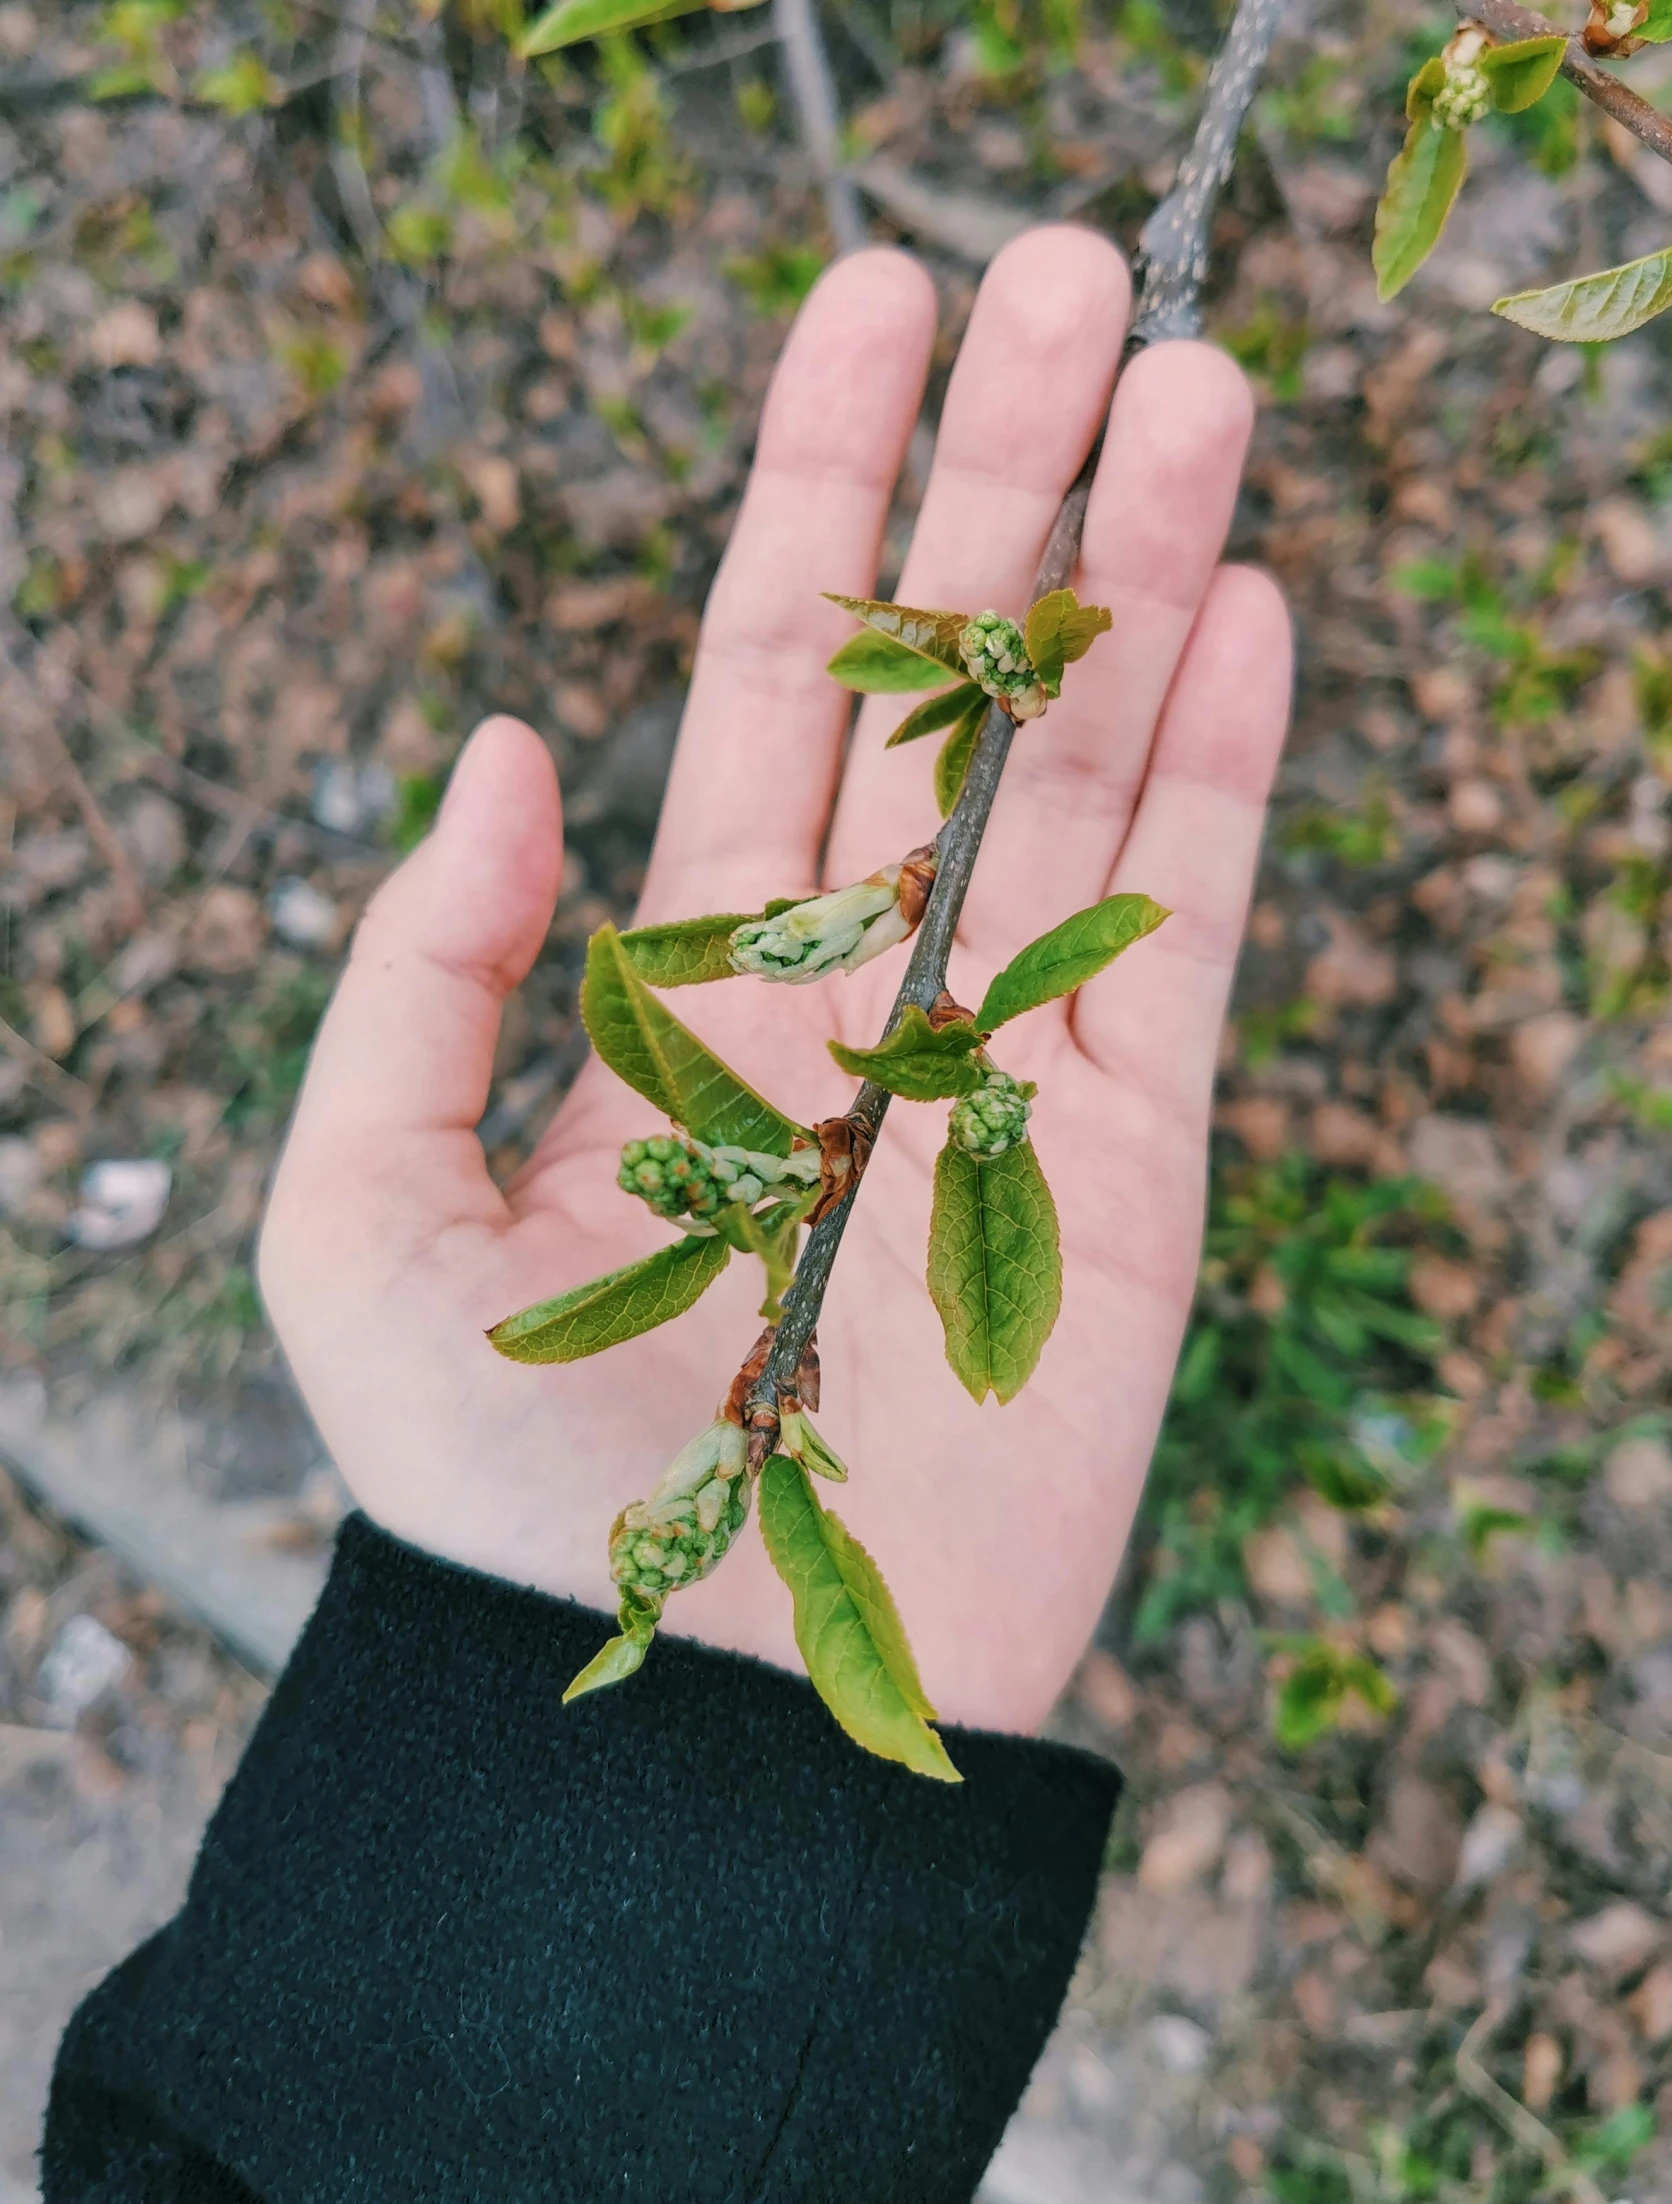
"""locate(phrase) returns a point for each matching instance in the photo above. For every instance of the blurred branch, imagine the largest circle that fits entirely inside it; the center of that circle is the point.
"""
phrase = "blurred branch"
(1507, 19)
(808, 68)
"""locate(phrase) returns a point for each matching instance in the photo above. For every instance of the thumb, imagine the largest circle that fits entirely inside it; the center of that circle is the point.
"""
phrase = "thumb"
(405, 1052)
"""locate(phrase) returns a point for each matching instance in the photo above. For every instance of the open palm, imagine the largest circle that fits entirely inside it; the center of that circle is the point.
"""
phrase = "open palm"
(388, 1250)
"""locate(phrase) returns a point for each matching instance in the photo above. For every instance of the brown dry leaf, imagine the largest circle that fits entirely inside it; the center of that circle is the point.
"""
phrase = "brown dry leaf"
(1418, 1838)
(1105, 1690)
(1187, 1841)
(125, 335)
(1638, 1474)
(1619, 1939)
(228, 932)
(1351, 971)
(1443, 1288)
(1541, 2070)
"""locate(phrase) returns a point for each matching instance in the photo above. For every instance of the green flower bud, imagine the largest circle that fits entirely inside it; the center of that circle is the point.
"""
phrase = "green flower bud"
(995, 1117)
(688, 1182)
(1464, 97)
(829, 933)
(688, 1524)
(996, 654)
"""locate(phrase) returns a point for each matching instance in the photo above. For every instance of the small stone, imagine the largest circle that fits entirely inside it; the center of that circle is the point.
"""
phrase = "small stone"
(154, 835)
(1180, 2044)
(1444, 1289)
(1651, 2003)
(228, 931)
(81, 1664)
(1188, 1840)
(1352, 971)
(1277, 1568)
(1488, 1845)
(1629, 540)
(301, 914)
(1418, 1839)
(1619, 1939)
(1638, 1474)
(1541, 2070)
(126, 335)
(1542, 1048)
(350, 798)
(122, 1202)
(1475, 807)
(1105, 1690)
(52, 1021)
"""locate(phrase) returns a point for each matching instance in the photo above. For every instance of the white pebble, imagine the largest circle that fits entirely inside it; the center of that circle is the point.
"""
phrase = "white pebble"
(122, 1203)
(301, 914)
(83, 1661)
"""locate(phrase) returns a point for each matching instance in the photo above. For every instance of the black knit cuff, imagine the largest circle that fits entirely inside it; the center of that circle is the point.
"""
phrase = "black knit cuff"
(448, 1940)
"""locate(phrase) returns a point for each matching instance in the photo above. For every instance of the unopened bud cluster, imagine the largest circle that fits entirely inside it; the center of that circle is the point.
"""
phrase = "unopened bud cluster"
(995, 1117)
(1465, 97)
(996, 655)
(687, 1525)
(827, 933)
(688, 1182)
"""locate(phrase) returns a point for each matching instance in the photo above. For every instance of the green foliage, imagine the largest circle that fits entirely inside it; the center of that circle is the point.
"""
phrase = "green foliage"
(953, 762)
(1480, 1525)
(1310, 1698)
(995, 1266)
(686, 952)
(1422, 184)
(620, 1305)
(243, 86)
(317, 364)
(776, 280)
(916, 1061)
(1520, 73)
(664, 1061)
(570, 21)
(952, 704)
(1534, 681)
(644, 174)
(1613, 2144)
(1303, 1359)
(925, 636)
(847, 1627)
(1058, 630)
(1272, 346)
(269, 1041)
(1066, 957)
(417, 800)
(613, 1663)
(1597, 308)
(877, 665)
(134, 28)
(1363, 837)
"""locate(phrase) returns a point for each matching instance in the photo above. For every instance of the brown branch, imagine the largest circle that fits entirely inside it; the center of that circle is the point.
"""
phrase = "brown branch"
(1507, 19)
(1174, 255)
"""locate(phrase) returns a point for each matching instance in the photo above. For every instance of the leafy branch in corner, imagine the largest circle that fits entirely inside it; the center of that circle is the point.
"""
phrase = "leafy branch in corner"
(733, 1174)
(1504, 58)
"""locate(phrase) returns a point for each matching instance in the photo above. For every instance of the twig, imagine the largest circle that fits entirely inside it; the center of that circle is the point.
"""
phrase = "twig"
(1507, 19)
(1525, 2130)
(808, 68)
(1175, 259)
(39, 1068)
(99, 829)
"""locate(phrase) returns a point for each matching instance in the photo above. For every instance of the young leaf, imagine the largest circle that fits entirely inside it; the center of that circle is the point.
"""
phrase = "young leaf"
(916, 1062)
(1419, 93)
(666, 1063)
(1059, 630)
(1522, 72)
(940, 711)
(876, 665)
(1656, 27)
(773, 1235)
(1068, 956)
(847, 1626)
(931, 634)
(613, 1663)
(1422, 183)
(1594, 308)
(683, 952)
(617, 1306)
(802, 1443)
(573, 20)
(955, 754)
(995, 1268)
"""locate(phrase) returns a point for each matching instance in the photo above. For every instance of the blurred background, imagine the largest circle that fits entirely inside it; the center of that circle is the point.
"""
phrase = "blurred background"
(358, 379)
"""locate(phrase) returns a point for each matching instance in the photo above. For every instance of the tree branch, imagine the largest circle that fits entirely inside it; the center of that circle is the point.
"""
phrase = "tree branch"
(1507, 19)
(1174, 253)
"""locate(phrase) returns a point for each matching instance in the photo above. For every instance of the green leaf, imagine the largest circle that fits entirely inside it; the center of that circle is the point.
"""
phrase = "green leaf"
(1060, 629)
(798, 1439)
(1656, 26)
(684, 952)
(666, 1063)
(955, 755)
(1068, 956)
(620, 1305)
(876, 665)
(931, 634)
(995, 1268)
(940, 711)
(847, 1626)
(1423, 180)
(241, 87)
(1419, 93)
(1311, 1696)
(573, 20)
(1520, 73)
(917, 1062)
(611, 1664)
(1594, 308)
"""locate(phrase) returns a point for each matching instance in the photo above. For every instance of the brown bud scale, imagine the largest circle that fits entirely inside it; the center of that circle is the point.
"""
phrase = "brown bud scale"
(917, 877)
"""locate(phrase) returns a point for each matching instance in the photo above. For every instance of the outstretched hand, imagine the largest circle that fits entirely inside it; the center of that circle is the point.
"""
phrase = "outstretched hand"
(388, 1250)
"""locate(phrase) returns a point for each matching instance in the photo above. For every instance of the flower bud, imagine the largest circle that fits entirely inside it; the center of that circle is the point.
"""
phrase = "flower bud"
(995, 1117)
(1464, 97)
(996, 654)
(688, 1182)
(829, 933)
(687, 1525)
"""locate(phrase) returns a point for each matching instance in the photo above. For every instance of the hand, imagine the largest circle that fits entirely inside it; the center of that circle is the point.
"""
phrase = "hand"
(388, 1250)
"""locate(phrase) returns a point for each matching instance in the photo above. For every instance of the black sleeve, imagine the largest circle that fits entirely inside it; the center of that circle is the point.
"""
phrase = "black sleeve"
(448, 1941)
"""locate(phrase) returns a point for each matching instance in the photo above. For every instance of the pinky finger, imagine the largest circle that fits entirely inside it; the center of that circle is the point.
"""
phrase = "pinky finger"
(1194, 844)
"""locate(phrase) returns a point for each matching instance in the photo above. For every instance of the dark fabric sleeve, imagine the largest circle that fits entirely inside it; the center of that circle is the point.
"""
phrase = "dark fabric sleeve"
(449, 1941)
